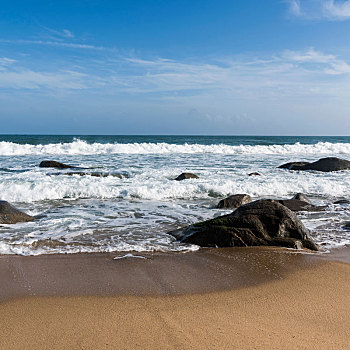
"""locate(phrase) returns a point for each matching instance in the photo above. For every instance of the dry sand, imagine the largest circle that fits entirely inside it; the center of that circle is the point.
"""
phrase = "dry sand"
(229, 299)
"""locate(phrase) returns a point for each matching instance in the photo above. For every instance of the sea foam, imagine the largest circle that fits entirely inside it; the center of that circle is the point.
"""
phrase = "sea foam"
(133, 213)
(37, 186)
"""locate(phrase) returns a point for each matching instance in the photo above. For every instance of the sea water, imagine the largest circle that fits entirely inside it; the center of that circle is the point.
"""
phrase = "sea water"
(134, 213)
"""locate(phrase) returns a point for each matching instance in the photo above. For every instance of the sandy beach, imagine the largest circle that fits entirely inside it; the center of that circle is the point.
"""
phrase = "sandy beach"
(212, 299)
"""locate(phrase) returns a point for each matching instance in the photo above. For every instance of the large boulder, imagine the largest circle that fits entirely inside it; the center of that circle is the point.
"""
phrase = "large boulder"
(325, 164)
(10, 215)
(234, 201)
(185, 176)
(260, 223)
(54, 164)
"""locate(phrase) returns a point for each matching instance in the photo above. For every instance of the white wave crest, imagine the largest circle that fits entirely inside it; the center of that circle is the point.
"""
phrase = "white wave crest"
(36, 186)
(80, 147)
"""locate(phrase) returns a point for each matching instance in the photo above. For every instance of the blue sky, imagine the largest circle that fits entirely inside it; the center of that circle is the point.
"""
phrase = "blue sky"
(175, 67)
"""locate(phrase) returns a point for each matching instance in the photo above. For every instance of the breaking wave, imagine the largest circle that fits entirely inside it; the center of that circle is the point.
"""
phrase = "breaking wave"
(80, 147)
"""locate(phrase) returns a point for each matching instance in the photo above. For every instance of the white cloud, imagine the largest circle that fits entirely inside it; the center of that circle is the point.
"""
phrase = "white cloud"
(67, 33)
(330, 64)
(332, 10)
(64, 33)
(53, 43)
(227, 91)
(338, 68)
(294, 7)
(28, 79)
(5, 62)
(14, 76)
(336, 9)
(310, 55)
(290, 74)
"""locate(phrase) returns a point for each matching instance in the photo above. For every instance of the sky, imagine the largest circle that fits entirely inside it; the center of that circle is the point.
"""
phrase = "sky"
(199, 67)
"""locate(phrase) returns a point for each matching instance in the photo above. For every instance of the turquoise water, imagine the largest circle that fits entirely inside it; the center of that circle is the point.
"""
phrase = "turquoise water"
(202, 140)
(89, 214)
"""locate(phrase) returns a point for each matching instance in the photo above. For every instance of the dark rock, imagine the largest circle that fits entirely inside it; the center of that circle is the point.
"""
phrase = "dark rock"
(260, 223)
(254, 174)
(54, 164)
(95, 174)
(347, 225)
(297, 205)
(10, 215)
(302, 197)
(185, 176)
(329, 164)
(324, 164)
(291, 165)
(234, 201)
(342, 201)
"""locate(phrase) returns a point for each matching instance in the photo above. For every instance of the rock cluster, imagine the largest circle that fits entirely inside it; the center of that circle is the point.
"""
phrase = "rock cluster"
(262, 222)
(299, 202)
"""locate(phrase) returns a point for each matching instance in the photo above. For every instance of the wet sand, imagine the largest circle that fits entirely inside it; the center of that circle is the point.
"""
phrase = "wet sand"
(206, 270)
(242, 298)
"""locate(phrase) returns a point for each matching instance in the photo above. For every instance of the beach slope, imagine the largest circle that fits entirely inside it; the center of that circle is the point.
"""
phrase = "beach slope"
(308, 308)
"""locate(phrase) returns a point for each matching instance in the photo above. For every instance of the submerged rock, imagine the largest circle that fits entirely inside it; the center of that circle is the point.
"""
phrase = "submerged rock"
(54, 164)
(298, 205)
(95, 174)
(302, 197)
(293, 165)
(260, 223)
(11, 215)
(325, 164)
(254, 174)
(346, 226)
(342, 201)
(234, 201)
(300, 202)
(185, 176)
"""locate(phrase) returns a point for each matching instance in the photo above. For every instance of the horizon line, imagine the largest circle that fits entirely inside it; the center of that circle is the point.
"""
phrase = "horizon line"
(188, 135)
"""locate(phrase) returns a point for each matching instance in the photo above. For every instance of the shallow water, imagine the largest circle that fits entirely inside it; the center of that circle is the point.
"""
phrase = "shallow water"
(90, 214)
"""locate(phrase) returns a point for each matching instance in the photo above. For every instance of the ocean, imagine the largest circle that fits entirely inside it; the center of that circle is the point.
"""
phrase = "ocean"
(134, 213)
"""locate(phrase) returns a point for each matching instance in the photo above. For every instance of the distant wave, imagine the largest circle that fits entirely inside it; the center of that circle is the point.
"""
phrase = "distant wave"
(80, 147)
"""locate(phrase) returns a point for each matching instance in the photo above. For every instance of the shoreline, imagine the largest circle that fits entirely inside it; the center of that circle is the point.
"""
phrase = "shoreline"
(149, 273)
(203, 271)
